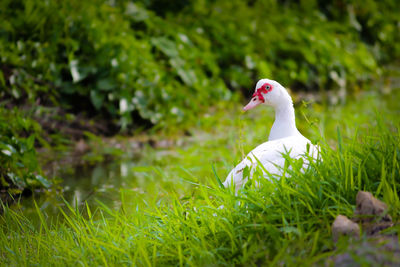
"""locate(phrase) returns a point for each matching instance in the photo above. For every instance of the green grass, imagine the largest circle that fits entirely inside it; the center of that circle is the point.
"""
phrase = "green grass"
(172, 215)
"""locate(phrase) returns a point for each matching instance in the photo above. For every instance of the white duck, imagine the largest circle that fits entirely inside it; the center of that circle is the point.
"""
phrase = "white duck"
(283, 138)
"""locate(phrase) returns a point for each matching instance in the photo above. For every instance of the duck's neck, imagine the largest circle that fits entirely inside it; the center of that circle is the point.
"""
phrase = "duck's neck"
(285, 123)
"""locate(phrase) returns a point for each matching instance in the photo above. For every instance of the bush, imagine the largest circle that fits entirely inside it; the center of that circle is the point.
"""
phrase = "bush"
(154, 61)
(19, 168)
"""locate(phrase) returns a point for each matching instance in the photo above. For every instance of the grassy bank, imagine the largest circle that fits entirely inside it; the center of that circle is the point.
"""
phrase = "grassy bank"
(176, 216)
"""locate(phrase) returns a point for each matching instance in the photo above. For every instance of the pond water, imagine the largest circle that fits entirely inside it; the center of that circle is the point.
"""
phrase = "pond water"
(85, 184)
(143, 176)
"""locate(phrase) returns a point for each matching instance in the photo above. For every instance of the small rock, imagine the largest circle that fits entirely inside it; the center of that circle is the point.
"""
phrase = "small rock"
(368, 207)
(372, 213)
(343, 226)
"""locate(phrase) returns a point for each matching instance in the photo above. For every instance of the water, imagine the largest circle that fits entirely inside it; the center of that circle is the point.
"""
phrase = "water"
(146, 175)
(86, 184)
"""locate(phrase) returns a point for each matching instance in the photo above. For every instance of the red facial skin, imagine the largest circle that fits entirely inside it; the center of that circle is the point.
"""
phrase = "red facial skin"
(262, 89)
(258, 96)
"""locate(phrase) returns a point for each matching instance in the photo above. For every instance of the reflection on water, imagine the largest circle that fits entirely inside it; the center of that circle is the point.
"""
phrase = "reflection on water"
(87, 184)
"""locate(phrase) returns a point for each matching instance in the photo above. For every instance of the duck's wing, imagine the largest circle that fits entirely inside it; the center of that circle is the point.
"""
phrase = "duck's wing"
(269, 154)
(235, 176)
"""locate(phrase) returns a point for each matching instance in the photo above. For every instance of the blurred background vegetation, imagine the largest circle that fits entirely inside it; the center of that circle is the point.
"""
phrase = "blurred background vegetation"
(110, 66)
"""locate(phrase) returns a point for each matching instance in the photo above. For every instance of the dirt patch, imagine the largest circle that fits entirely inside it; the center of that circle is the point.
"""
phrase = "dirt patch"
(374, 247)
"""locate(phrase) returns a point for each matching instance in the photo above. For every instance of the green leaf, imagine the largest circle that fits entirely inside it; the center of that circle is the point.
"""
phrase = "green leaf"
(217, 177)
(30, 141)
(16, 180)
(46, 183)
(8, 150)
(167, 46)
(2, 80)
(97, 99)
(106, 84)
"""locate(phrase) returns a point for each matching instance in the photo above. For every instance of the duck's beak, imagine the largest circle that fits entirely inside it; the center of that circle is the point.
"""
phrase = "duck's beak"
(254, 102)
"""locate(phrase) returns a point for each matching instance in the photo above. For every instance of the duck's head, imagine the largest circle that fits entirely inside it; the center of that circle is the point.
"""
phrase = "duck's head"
(268, 92)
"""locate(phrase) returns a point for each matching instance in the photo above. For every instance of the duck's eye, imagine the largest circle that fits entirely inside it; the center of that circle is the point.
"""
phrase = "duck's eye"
(267, 87)
(254, 99)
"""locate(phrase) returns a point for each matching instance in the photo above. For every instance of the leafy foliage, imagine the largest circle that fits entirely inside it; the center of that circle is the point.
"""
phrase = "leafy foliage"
(164, 62)
(19, 168)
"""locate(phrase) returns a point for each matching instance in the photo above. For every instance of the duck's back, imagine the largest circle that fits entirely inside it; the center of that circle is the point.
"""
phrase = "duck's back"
(269, 154)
